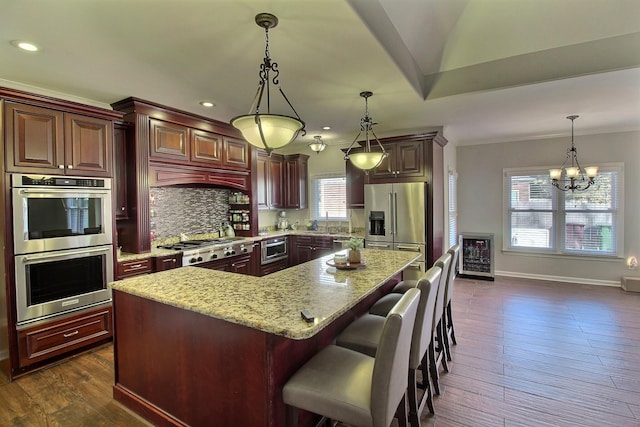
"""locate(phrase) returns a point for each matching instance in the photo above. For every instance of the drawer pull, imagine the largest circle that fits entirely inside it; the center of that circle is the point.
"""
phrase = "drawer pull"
(136, 266)
(70, 334)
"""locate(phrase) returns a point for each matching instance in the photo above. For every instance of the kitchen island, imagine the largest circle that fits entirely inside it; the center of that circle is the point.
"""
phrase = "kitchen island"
(204, 347)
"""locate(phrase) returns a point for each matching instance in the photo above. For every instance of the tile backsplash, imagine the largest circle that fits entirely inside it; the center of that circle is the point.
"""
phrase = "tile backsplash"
(175, 210)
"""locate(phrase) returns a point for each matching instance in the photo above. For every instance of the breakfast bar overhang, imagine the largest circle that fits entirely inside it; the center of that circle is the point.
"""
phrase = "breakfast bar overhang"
(202, 347)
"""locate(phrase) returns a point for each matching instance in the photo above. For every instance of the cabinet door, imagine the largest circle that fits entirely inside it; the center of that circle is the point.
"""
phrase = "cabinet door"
(410, 160)
(235, 154)
(276, 184)
(387, 168)
(296, 181)
(168, 141)
(261, 193)
(88, 145)
(273, 267)
(167, 262)
(356, 178)
(323, 246)
(120, 172)
(34, 139)
(206, 147)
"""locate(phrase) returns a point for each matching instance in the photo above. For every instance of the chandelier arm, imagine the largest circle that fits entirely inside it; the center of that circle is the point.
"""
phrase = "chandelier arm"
(384, 152)
(293, 109)
(264, 141)
(346, 155)
(257, 99)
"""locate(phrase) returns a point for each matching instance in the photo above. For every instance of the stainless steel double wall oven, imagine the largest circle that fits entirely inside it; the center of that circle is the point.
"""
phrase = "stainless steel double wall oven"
(62, 244)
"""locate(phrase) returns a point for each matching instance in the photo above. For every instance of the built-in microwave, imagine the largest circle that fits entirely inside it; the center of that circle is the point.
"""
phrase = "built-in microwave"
(56, 212)
(56, 282)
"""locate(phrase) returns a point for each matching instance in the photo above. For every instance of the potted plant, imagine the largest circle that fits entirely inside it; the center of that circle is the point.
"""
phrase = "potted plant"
(354, 244)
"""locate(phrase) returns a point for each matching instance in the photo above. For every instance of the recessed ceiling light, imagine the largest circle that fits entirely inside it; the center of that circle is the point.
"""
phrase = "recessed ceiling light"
(30, 47)
(326, 127)
(207, 104)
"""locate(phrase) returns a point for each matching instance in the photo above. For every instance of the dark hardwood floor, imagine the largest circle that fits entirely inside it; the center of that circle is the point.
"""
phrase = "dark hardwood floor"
(529, 353)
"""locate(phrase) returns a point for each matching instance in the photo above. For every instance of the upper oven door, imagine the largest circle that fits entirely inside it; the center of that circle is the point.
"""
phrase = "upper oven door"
(46, 219)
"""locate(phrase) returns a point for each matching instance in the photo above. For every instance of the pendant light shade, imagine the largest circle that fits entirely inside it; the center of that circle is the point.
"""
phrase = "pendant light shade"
(263, 129)
(368, 158)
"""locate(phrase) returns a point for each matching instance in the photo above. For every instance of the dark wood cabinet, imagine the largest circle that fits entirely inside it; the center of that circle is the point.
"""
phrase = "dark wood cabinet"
(273, 267)
(235, 154)
(58, 337)
(296, 181)
(241, 264)
(49, 141)
(167, 262)
(309, 248)
(356, 178)
(206, 147)
(270, 170)
(406, 159)
(168, 141)
(120, 171)
(133, 268)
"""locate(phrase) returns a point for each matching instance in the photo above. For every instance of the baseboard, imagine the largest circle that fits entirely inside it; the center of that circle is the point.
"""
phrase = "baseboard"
(564, 279)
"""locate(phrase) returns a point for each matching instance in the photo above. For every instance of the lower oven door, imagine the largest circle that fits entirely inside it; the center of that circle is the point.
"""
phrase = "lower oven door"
(51, 283)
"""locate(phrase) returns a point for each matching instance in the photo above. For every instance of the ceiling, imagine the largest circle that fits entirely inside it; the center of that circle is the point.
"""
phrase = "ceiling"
(483, 70)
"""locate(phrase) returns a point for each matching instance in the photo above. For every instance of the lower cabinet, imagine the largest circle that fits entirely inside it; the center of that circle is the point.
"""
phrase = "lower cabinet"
(238, 264)
(133, 268)
(167, 262)
(309, 248)
(42, 342)
(273, 267)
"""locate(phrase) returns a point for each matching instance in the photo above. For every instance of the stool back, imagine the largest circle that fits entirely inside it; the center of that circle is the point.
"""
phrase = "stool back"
(455, 253)
(443, 262)
(389, 382)
(428, 286)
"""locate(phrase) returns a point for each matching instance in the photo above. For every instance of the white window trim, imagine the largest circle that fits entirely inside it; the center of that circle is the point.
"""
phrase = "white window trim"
(557, 250)
(314, 197)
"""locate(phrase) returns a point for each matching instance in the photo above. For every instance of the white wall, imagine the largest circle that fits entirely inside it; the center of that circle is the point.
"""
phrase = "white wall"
(480, 201)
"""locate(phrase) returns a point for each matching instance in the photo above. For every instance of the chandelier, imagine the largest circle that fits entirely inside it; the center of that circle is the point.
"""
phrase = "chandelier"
(265, 130)
(366, 159)
(317, 144)
(575, 178)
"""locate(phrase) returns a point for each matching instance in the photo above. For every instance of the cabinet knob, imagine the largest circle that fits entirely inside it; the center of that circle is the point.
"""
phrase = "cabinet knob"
(122, 208)
(69, 166)
(60, 166)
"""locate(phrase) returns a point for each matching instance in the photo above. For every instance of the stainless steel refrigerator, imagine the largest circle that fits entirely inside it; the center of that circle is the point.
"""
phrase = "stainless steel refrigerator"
(395, 217)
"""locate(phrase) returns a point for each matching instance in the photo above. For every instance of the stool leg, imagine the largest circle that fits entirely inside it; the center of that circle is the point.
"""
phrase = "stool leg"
(445, 336)
(441, 349)
(433, 368)
(450, 323)
(414, 416)
(401, 411)
(426, 383)
(291, 416)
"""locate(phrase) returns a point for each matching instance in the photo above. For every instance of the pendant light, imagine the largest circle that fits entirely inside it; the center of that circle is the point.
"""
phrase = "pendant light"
(575, 179)
(263, 129)
(318, 144)
(367, 159)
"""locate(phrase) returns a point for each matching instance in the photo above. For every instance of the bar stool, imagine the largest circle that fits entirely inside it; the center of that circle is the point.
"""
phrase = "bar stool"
(449, 332)
(352, 387)
(364, 333)
(437, 356)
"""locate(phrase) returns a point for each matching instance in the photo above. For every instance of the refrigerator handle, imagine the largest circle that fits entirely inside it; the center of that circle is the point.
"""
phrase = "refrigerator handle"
(392, 218)
(395, 213)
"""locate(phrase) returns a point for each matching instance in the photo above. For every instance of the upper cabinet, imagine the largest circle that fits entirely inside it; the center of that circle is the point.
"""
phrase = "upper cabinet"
(175, 143)
(282, 181)
(296, 181)
(270, 171)
(406, 159)
(50, 141)
(120, 171)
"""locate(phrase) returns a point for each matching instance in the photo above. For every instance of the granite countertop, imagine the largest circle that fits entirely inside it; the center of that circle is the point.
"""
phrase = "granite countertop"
(272, 303)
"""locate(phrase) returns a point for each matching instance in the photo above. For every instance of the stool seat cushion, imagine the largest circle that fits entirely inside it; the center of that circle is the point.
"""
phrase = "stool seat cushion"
(336, 383)
(384, 305)
(404, 286)
(363, 334)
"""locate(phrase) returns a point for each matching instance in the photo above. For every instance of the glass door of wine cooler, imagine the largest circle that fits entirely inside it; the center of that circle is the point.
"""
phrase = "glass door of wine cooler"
(476, 255)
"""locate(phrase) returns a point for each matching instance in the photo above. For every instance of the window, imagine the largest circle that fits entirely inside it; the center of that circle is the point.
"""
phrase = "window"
(330, 198)
(541, 218)
(453, 208)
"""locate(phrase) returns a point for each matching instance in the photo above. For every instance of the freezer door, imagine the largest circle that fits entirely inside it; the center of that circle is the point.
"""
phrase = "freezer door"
(409, 212)
(378, 214)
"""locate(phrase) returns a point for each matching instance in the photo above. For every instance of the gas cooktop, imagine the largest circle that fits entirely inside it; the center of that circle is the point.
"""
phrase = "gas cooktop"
(199, 251)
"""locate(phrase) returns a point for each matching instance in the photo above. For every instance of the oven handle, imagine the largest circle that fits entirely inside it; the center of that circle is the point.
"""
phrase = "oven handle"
(57, 191)
(65, 254)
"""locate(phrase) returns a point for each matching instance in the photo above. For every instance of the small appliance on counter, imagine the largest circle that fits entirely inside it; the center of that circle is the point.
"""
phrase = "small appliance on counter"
(283, 224)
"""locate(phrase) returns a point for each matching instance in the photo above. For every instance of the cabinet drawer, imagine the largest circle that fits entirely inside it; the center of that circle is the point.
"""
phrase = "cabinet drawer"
(133, 268)
(49, 340)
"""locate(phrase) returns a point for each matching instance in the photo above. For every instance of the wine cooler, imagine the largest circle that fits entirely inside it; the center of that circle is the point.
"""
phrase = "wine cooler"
(476, 256)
